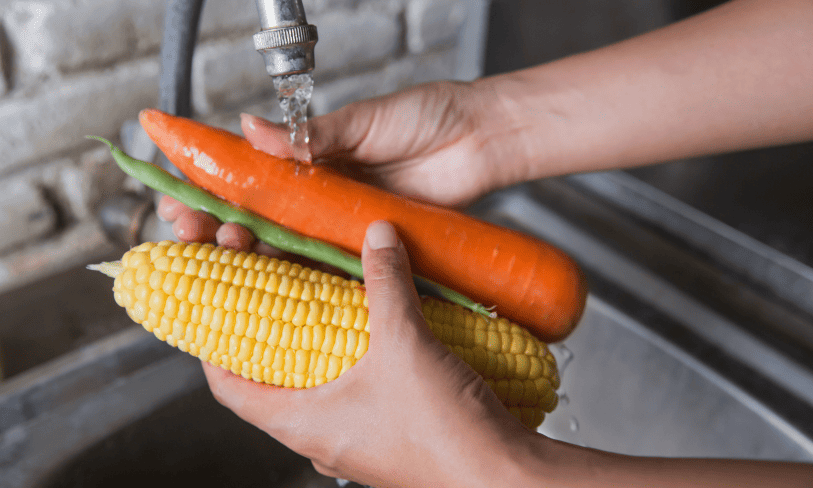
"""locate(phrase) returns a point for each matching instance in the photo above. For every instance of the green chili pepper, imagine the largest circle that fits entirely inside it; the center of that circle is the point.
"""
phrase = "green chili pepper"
(198, 199)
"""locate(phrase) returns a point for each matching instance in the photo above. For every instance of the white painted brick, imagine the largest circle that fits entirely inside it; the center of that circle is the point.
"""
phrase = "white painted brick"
(471, 45)
(85, 186)
(78, 245)
(319, 6)
(433, 66)
(239, 15)
(229, 15)
(45, 175)
(25, 214)
(406, 72)
(330, 96)
(146, 19)
(227, 74)
(352, 39)
(236, 16)
(60, 35)
(268, 109)
(61, 114)
(433, 23)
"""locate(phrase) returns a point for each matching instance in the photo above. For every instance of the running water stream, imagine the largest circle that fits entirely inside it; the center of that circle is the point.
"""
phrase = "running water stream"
(294, 94)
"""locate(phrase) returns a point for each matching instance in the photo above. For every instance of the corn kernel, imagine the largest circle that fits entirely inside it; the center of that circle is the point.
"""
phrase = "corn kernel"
(253, 326)
(300, 315)
(296, 338)
(263, 330)
(240, 323)
(340, 343)
(254, 301)
(275, 334)
(290, 310)
(283, 324)
(334, 367)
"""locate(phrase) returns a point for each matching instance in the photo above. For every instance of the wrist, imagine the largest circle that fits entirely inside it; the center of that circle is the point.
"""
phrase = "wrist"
(503, 133)
(527, 458)
(509, 455)
(527, 116)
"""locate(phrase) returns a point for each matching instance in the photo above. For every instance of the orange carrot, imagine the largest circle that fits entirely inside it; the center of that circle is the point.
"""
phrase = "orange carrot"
(528, 281)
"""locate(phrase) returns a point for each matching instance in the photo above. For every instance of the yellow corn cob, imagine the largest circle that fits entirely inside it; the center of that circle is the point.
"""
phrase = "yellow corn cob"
(286, 325)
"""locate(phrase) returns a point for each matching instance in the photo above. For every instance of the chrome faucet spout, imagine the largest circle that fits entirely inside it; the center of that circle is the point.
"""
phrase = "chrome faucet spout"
(286, 40)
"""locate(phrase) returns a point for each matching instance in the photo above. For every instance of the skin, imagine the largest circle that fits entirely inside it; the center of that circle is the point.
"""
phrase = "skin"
(733, 78)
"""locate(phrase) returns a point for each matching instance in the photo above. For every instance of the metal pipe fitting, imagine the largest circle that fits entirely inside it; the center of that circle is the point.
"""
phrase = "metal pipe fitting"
(286, 40)
(123, 217)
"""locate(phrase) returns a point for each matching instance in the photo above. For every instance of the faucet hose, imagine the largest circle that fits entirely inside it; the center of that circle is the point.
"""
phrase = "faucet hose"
(181, 23)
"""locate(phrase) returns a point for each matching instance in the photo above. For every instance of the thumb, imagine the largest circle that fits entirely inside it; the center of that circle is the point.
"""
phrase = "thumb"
(267, 136)
(339, 132)
(391, 293)
(342, 131)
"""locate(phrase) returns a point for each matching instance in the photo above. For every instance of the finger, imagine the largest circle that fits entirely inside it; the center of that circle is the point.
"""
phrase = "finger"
(393, 127)
(342, 131)
(252, 401)
(325, 470)
(235, 236)
(387, 277)
(267, 136)
(170, 209)
(264, 249)
(195, 226)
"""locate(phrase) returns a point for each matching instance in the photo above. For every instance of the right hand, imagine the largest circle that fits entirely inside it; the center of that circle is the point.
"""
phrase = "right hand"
(426, 142)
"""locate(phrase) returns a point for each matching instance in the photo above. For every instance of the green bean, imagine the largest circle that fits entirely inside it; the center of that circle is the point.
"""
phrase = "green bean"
(198, 199)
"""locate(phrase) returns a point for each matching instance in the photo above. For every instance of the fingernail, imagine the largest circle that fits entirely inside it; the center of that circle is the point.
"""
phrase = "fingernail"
(249, 120)
(381, 235)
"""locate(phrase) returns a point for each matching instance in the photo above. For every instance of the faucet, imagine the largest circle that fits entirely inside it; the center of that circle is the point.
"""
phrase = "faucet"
(286, 40)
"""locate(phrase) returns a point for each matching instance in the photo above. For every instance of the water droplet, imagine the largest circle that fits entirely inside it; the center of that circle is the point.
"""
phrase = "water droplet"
(564, 399)
(294, 94)
(564, 359)
(574, 424)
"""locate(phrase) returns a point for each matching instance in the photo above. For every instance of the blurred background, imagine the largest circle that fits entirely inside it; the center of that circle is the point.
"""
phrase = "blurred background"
(70, 69)
(700, 269)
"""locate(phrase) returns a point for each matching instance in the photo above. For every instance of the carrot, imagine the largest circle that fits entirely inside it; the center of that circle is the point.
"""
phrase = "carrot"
(197, 199)
(528, 281)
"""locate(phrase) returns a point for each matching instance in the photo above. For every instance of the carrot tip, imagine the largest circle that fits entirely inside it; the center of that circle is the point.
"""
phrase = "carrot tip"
(145, 115)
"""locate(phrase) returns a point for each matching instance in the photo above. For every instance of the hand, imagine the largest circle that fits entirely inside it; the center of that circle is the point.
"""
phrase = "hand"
(196, 226)
(409, 413)
(426, 142)
(429, 142)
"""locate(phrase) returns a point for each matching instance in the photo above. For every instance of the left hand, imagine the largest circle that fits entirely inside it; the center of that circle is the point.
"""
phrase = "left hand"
(409, 413)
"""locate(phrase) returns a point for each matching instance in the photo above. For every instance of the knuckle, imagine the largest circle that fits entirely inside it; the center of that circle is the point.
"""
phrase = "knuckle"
(217, 393)
(328, 455)
(386, 264)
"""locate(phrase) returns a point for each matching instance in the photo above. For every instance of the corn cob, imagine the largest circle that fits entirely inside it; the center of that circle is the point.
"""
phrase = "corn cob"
(283, 324)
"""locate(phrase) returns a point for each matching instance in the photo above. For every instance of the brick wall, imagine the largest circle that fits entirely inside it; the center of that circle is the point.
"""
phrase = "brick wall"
(74, 67)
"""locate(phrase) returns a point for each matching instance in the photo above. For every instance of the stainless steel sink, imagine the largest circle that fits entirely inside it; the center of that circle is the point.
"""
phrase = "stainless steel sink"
(131, 411)
(676, 355)
(651, 370)
(630, 391)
